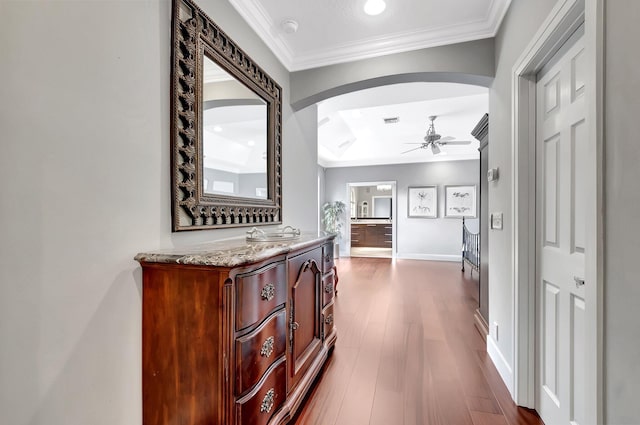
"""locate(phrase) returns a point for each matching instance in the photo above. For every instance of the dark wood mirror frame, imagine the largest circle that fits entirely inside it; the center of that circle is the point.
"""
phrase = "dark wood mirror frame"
(194, 35)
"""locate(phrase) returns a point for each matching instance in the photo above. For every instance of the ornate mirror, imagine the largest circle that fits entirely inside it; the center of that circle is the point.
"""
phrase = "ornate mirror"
(225, 130)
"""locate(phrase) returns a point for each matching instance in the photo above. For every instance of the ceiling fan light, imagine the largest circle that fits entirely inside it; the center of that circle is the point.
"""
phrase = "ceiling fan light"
(374, 7)
(435, 149)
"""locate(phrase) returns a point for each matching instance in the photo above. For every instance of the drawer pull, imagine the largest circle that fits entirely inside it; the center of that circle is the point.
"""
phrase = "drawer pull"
(327, 258)
(267, 401)
(329, 319)
(268, 292)
(267, 347)
(328, 288)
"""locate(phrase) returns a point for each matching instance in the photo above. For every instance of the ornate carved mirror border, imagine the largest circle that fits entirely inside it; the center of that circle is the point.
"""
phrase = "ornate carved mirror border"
(194, 35)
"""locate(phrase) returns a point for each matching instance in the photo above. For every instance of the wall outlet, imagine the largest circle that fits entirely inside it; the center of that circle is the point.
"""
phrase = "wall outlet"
(494, 330)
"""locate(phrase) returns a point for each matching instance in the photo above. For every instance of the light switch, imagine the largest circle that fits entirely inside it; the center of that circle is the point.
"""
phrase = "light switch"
(496, 221)
(492, 174)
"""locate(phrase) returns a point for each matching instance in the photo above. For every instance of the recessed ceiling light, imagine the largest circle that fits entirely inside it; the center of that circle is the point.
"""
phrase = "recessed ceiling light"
(374, 7)
(251, 143)
(217, 129)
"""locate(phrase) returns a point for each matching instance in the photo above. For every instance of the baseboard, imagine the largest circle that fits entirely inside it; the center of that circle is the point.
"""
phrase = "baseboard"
(505, 371)
(481, 325)
(429, 257)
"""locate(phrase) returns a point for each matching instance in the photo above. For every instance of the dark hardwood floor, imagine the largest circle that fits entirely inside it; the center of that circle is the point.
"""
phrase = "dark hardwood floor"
(408, 352)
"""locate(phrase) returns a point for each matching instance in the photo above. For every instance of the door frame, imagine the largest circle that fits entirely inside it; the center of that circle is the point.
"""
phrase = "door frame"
(394, 212)
(564, 19)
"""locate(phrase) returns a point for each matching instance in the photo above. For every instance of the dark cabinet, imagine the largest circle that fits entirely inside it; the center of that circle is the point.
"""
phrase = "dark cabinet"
(237, 344)
(481, 132)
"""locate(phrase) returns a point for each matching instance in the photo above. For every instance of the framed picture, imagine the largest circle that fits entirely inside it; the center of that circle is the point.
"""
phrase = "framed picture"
(460, 201)
(423, 202)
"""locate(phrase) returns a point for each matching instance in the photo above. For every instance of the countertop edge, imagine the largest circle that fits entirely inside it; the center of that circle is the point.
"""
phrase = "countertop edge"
(231, 252)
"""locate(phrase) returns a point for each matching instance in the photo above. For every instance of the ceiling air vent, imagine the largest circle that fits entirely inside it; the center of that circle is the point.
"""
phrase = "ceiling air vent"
(391, 120)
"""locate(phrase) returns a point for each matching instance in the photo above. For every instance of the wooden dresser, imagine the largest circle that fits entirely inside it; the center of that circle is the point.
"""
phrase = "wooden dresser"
(235, 332)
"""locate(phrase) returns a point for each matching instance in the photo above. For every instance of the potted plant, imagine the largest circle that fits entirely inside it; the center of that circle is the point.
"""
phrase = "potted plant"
(332, 218)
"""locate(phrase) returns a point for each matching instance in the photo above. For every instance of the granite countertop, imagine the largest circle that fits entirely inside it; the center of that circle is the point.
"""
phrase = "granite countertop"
(230, 252)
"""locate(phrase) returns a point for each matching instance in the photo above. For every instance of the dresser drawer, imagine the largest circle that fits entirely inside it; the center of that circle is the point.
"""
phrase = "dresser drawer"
(328, 288)
(259, 293)
(256, 351)
(257, 407)
(327, 257)
(327, 320)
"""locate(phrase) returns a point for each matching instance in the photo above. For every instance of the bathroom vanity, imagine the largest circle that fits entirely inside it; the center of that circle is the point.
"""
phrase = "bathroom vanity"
(376, 233)
(234, 332)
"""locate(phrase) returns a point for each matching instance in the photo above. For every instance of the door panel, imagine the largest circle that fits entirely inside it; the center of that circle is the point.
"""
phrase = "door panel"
(304, 327)
(579, 155)
(551, 190)
(560, 217)
(577, 360)
(550, 342)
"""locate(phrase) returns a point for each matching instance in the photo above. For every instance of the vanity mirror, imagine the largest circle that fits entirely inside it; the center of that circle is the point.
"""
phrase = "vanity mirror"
(225, 130)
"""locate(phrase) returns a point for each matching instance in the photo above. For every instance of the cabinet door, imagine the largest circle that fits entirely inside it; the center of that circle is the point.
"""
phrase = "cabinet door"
(304, 313)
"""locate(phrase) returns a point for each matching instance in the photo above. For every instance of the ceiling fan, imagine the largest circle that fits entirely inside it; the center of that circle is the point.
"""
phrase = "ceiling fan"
(434, 141)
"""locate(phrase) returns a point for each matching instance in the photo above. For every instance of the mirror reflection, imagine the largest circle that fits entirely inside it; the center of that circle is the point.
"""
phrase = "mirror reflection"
(234, 129)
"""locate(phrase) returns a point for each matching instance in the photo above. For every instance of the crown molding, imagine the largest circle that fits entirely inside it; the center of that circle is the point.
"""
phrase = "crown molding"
(256, 16)
(258, 19)
(394, 43)
(496, 13)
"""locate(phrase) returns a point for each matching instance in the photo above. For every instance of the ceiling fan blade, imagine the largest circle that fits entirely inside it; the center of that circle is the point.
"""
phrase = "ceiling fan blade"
(457, 142)
(414, 149)
(446, 138)
(414, 143)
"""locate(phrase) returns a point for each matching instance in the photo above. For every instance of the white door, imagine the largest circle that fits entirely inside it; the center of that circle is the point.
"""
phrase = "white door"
(561, 164)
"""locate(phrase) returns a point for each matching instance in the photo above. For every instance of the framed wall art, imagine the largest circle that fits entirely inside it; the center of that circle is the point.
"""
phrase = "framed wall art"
(422, 202)
(460, 201)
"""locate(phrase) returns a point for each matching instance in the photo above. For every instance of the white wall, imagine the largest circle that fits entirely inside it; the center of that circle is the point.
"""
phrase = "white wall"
(437, 239)
(520, 24)
(622, 212)
(84, 186)
(300, 168)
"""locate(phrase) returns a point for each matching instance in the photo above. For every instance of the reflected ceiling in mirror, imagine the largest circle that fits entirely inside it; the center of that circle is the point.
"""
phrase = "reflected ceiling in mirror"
(234, 124)
(226, 121)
